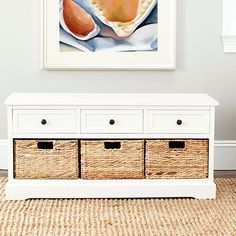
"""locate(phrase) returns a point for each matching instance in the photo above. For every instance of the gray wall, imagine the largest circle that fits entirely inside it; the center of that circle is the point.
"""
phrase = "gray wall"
(201, 64)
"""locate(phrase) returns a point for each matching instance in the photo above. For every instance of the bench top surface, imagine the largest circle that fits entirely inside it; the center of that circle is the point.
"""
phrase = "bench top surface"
(106, 99)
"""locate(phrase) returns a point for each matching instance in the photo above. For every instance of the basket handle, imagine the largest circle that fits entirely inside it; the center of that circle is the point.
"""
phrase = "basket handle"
(45, 145)
(112, 145)
(176, 144)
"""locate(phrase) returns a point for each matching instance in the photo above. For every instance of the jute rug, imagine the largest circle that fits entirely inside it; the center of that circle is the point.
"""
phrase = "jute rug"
(122, 217)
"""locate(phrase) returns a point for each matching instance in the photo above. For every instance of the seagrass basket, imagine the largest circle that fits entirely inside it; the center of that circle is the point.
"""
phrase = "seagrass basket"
(112, 159)
(46, 159)
(176, 159)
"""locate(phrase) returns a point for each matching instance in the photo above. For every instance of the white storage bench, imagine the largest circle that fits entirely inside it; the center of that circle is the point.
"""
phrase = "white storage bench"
(110, 145)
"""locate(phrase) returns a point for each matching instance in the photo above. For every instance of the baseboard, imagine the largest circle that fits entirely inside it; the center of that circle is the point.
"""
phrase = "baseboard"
(3, 154)
(225, 154)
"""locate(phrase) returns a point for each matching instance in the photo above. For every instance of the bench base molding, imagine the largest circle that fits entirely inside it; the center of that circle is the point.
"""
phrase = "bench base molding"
(24, 189)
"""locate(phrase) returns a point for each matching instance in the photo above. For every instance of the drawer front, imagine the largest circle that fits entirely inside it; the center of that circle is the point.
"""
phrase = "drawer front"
(111, 121)
(177, 121)
(44, 121)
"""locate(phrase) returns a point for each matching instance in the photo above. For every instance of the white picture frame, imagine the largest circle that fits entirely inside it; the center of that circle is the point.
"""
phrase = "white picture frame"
(162, 59)
(229, 26)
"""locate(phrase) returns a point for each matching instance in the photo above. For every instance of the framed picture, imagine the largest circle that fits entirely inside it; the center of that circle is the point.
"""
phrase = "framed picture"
(109, 34)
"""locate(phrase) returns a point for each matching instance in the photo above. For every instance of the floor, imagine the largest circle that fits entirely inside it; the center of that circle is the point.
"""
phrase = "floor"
(225, 174)
(3, 173)
(146, 216)
(218, 173)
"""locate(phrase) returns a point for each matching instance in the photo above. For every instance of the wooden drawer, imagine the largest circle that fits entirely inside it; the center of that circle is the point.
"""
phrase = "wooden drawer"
(44, 121)
(178, 121)
(111, 121)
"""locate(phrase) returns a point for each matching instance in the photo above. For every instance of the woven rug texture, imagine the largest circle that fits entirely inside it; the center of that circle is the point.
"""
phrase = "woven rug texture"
(104, 217)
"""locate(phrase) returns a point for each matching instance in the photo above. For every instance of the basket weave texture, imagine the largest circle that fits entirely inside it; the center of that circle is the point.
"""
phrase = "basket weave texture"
(61, 162)
(126, 162)
(163, 162)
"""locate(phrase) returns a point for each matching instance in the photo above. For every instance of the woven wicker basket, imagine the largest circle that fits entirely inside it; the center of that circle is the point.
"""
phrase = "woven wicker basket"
(46, 159)
(177, 159)
(112, 159)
